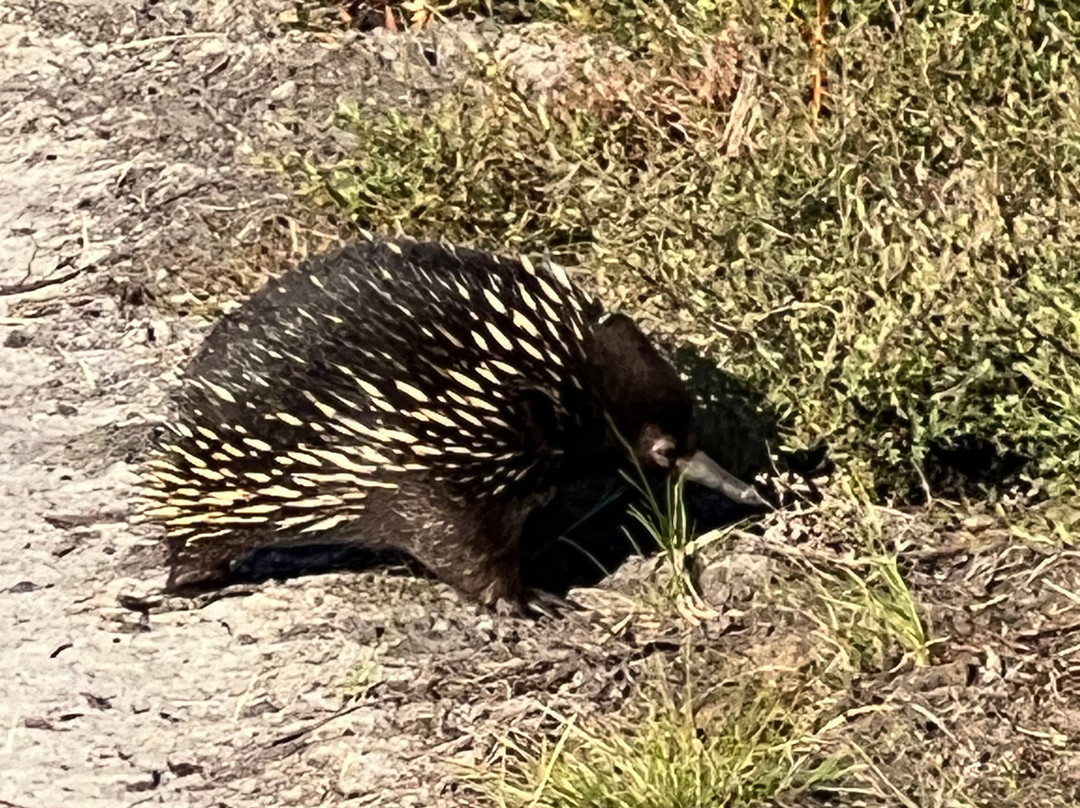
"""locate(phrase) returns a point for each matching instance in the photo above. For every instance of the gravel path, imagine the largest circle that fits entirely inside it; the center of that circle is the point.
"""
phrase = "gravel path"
(125, 129)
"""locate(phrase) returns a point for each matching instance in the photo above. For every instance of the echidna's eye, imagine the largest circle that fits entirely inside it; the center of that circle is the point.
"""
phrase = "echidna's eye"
(660, 448)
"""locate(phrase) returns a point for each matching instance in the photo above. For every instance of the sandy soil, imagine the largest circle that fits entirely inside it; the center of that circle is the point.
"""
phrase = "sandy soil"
(125, 129)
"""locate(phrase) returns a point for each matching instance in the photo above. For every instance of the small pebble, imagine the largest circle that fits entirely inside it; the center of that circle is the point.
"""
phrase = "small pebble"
(17, 339)
(979, 522)
(283, 91)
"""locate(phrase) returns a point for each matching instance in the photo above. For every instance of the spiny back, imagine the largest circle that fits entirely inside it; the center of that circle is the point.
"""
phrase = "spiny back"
(376, 362)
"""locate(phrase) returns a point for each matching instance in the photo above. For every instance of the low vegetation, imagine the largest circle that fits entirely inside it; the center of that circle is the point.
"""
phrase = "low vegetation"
(896, 272)
(746, 743)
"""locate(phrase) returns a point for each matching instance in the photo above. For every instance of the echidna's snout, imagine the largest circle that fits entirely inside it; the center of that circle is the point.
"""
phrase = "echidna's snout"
(662, 451)
(703, 470)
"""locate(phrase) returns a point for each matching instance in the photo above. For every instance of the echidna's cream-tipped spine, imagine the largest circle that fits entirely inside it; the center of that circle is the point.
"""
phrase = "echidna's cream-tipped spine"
(433, 354)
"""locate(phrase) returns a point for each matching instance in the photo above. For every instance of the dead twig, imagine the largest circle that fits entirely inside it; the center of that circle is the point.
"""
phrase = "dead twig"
(161, 40)
(33, 286)
(818, 98)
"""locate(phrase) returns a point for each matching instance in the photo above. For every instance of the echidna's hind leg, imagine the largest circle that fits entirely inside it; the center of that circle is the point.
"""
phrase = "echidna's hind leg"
(470, 545)
(204, 565)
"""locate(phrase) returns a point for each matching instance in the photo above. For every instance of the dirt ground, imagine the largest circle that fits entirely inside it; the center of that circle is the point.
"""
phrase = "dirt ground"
(127, 131)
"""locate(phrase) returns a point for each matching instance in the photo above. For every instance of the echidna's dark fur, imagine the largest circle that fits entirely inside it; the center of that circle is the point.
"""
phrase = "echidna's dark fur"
(406, 394)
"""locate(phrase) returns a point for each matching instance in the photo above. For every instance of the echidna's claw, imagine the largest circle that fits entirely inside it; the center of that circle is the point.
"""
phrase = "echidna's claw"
(548, 604)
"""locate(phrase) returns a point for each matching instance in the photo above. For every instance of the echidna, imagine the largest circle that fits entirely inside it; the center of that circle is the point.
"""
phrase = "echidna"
(415, 396)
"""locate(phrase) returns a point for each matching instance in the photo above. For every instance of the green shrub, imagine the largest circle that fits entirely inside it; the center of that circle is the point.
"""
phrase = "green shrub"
(899, 275)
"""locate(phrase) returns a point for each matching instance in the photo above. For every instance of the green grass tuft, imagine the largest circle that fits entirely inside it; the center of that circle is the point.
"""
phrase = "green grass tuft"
(757, 747)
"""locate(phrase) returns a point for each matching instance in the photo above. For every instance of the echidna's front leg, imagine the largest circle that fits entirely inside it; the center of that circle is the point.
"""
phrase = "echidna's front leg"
(202, 565)
(485, 573)
(470, 545)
